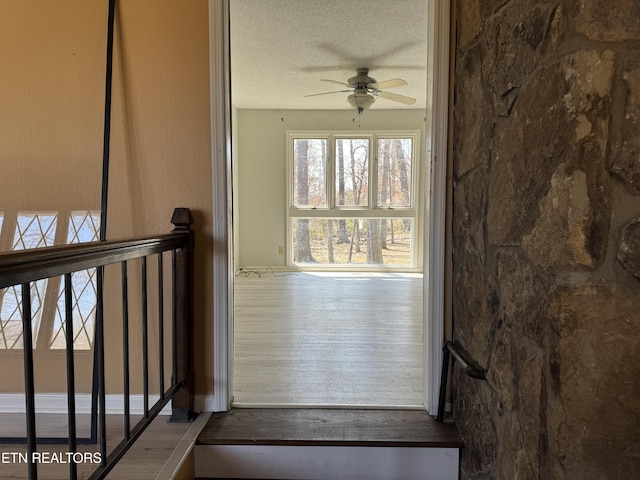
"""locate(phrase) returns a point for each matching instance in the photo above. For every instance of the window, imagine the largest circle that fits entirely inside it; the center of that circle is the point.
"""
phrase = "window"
(37, 230)
(33, 230)
(352, 200)
(83, 227)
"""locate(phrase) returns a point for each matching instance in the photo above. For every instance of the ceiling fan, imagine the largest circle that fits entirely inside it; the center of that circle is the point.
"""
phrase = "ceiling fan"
(365, 90)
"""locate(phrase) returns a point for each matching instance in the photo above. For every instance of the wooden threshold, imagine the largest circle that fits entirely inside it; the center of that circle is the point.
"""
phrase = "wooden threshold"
(328, 427)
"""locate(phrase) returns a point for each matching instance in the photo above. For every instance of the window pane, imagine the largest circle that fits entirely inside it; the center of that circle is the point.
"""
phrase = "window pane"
(32, 231)
(83, 227)
(352, 172)
(309, 172)
(394, 172)
(349, 241)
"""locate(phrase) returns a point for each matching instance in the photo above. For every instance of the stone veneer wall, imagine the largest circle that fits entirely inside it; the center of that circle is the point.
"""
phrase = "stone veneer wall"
(546, 237)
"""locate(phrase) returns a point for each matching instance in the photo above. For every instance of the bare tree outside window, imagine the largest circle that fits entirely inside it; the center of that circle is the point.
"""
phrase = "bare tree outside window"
(302, 161)
(353, 179)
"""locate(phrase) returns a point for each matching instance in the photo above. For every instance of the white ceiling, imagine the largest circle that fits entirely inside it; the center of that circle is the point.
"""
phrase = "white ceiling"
(281, 49)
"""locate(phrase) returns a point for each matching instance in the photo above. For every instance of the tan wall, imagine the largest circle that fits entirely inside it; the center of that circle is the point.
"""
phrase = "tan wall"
(52, 97)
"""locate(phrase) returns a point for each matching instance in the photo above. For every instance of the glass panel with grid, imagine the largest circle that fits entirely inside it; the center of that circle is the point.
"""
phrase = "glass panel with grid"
(33, 230)
(309, 172)
(83, 227)
(394, 172)
(352, 172)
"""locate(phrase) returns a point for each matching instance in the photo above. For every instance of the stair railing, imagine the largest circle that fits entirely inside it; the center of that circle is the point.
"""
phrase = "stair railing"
(451, 352)
(25, 267)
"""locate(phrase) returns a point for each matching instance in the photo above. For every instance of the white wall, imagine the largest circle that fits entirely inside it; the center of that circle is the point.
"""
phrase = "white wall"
(260, 170)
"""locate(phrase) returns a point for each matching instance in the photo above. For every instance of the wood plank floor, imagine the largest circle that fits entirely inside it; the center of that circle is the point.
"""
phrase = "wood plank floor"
(328, 427)
(341, 340)
(144, 461)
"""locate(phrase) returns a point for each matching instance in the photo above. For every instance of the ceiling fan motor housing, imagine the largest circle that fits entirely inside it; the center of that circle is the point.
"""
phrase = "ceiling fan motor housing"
(362, 80)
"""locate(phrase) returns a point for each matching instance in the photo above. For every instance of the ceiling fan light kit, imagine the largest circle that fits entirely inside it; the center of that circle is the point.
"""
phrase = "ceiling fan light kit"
(361, 101)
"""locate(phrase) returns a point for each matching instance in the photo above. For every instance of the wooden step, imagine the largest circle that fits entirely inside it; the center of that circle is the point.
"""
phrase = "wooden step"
(326, 443)
(286, 426)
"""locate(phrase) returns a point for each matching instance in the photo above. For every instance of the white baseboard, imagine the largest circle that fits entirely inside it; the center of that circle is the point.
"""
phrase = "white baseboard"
(57, 403)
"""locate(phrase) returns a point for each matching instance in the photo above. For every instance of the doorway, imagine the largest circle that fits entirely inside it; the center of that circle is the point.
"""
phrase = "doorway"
(365, 347)
(433, 224)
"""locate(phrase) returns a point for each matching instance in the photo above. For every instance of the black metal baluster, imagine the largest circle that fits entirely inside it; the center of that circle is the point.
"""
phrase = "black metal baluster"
(145, 340)
(71, 387)
(174, 316)
(161, 324)
(29, 387)
(125, 351)
(102, 410)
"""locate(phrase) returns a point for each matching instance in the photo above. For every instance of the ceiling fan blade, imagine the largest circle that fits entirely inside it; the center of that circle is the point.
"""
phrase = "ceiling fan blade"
(327, 93)
(395, 82)
(335, 81)
(397, 98)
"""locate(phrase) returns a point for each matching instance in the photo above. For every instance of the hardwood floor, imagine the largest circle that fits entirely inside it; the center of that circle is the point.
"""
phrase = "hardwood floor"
(150, 457)
(328, 340)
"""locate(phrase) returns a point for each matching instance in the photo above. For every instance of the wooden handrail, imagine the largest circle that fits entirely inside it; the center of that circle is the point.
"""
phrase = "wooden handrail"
(471, 368)
(30, 265)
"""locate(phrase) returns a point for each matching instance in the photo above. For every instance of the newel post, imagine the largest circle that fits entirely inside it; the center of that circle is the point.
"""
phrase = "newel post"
(182, 406)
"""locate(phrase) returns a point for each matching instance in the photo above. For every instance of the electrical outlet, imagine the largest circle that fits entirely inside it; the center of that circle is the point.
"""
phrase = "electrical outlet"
(281, 250)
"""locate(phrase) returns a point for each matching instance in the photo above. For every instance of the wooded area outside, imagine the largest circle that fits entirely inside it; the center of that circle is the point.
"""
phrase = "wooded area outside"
(391, 240)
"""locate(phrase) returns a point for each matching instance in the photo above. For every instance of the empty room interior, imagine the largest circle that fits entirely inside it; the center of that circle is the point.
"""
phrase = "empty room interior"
(329, 177)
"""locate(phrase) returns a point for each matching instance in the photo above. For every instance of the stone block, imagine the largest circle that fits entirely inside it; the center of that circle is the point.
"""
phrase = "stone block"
(607, 20)
(476, 426)
(471, 114)
(626, 165)
(594, 408)
(501, 374)
(523, 293)
(561, 118)
(469, 21)
(561, 238)
(474, 293)
(512, 47)
(526, 150)
(629, 248)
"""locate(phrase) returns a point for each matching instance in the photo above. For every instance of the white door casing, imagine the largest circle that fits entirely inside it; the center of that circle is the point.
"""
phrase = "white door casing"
(437, 94)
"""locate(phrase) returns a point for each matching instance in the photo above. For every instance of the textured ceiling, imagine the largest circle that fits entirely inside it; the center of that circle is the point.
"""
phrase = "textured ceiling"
(281, 49)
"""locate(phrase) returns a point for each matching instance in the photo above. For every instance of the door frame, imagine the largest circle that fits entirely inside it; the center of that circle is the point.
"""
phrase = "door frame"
(438, 29)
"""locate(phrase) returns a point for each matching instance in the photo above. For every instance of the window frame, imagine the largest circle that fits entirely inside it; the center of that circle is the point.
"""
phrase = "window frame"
(371, 210)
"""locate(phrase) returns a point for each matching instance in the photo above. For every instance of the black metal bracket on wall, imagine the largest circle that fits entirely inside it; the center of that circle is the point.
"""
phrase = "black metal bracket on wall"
(471, 368)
